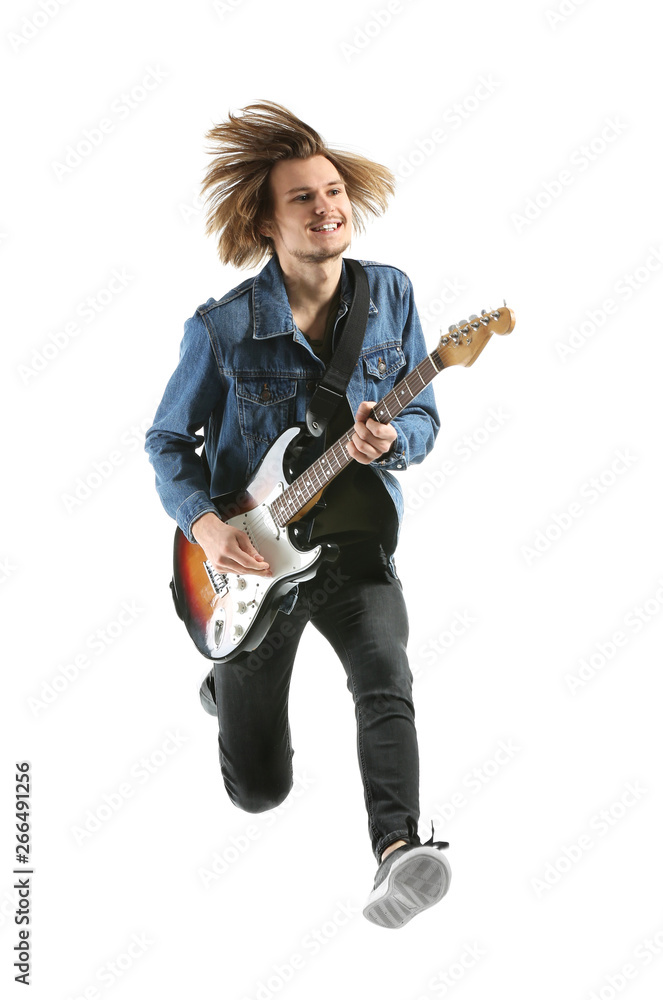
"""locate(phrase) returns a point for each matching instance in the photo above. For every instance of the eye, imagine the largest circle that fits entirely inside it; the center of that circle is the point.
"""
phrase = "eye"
(301, 197)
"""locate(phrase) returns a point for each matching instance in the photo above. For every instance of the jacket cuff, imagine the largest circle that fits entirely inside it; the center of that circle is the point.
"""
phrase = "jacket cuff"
(191, 509)
(396, 459)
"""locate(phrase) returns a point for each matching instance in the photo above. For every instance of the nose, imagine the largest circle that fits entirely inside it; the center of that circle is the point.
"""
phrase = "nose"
(322, 204)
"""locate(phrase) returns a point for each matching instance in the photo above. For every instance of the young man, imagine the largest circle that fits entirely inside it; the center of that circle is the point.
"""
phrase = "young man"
(249, 363)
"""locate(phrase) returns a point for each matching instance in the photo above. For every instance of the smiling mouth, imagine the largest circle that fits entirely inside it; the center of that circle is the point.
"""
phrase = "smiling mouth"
(328, 227)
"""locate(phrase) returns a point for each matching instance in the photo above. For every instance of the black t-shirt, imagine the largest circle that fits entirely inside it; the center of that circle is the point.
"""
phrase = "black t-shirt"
(358, 506)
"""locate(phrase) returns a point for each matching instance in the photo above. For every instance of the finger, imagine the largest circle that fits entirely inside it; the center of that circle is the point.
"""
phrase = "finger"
(245, 548)
(381, 441)
(251, 564)
(378, 429)
(361, 451)
(248, 551)
(238, 557)
(227, 565)
(363, 432)
(363, 411)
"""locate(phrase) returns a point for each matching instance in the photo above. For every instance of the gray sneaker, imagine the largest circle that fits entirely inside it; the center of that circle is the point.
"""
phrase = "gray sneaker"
(409, 880)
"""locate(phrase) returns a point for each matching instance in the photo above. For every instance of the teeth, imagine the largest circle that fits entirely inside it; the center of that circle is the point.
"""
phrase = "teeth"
(329, 225)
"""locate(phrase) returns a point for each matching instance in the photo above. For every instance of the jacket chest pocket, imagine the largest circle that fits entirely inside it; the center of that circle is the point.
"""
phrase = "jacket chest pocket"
(265, 405)
(383, 365)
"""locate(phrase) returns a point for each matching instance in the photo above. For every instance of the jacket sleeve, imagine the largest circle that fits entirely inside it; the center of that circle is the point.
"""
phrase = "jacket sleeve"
(418, 423)
(194, 390)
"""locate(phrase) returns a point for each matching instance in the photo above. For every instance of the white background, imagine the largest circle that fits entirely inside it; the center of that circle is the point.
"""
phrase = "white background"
(527, 914)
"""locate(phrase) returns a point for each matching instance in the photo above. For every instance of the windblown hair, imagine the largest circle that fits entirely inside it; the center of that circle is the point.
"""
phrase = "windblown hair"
(245, 149)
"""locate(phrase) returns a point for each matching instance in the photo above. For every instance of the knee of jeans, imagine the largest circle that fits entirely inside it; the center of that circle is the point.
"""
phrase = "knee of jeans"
(379, 704)
(255, 794)
(257, 799)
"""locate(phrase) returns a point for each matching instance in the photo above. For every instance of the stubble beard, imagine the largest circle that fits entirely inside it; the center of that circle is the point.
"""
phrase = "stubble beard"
(318, 256)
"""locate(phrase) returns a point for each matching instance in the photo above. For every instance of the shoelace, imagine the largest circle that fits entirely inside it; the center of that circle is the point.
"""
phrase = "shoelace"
(435, 843)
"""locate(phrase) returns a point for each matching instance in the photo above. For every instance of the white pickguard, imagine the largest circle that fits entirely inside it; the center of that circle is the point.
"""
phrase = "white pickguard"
(239, 603)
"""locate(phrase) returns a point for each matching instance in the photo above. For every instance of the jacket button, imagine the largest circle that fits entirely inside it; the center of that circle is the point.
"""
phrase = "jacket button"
(265, 394)
(381, 366)
(311, 385)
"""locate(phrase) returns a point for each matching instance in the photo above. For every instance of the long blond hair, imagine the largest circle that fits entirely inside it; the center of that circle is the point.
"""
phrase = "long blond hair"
(245, 148)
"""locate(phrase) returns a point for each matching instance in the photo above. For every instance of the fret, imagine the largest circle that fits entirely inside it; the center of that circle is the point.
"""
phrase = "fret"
(319, 475)
(295, 497)
(384, 407)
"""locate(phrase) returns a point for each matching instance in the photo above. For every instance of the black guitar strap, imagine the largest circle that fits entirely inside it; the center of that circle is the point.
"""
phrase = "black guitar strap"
(331, 390)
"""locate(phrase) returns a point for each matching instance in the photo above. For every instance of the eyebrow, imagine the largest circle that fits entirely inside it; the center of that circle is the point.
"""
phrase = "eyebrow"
(336, 182)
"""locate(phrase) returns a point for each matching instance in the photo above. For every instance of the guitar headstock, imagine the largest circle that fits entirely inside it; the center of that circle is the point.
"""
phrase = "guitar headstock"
(466, 339)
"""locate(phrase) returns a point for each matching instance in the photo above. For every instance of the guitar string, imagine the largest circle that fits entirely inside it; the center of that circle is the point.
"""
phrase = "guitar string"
(290, 497)
(289, 502)
(300, 487)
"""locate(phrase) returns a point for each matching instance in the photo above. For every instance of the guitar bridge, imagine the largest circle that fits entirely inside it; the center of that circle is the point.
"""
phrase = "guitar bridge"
(218, 580)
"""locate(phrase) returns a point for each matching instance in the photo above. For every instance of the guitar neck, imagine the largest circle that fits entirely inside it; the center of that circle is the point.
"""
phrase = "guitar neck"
(318, 475)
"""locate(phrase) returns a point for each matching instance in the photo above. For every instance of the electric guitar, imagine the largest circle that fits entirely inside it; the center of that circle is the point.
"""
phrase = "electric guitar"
(227, 613)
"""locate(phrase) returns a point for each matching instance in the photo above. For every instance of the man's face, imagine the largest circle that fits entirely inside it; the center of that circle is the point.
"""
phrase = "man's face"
(307, 195)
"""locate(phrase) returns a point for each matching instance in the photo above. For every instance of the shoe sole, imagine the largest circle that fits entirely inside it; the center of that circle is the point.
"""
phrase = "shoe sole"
(416, 881)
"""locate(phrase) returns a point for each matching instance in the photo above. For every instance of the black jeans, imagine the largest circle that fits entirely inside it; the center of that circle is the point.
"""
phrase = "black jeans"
(357, 604)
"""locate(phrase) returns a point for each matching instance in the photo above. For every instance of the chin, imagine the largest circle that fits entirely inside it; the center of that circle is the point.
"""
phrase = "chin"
(322, 254)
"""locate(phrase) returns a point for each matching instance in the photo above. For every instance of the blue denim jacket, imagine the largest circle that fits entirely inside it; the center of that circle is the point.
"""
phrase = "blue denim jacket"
(246, 373)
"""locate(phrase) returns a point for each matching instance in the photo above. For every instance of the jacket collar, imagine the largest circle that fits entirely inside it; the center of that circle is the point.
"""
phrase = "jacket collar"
(272, 315)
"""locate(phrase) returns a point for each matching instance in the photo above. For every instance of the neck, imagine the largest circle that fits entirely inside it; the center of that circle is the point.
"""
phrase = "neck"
(311, 285)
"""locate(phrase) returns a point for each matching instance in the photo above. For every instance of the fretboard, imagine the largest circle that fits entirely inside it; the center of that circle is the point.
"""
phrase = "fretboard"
(318, 475)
